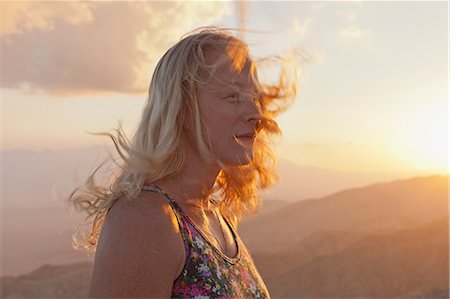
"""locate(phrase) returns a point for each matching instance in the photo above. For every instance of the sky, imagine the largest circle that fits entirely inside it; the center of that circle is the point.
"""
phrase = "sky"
(373, 90)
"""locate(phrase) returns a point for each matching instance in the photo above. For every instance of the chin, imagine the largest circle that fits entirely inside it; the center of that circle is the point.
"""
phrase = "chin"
(243, 159)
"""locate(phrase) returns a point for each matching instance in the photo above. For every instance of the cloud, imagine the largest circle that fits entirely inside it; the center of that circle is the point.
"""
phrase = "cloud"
(353, 32)
(318, 56)
(25, 16)
(301, 27)
(65, 48)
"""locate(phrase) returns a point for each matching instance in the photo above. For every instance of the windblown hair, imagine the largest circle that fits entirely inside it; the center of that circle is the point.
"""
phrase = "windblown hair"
(155, 151)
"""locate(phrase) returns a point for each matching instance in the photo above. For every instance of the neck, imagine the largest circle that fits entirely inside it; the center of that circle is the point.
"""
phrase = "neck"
(194, 183)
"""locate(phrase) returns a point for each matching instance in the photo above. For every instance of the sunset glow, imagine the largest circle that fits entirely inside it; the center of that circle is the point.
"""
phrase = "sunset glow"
(356, 206)
(420, 137)
(368, 100)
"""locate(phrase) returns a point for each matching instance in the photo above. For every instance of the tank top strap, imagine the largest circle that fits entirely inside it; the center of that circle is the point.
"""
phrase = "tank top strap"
(179, 214)
(172, 203)
(154, 188)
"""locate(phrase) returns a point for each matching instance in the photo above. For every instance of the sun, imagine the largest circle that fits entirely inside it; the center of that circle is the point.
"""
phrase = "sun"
(422, 140)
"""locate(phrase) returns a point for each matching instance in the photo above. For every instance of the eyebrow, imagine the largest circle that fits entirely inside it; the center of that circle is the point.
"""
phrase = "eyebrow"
(241, 85)
(224, 83)
(254, 91)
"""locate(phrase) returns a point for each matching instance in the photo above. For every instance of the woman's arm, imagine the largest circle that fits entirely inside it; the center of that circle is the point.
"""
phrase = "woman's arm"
(139, 251)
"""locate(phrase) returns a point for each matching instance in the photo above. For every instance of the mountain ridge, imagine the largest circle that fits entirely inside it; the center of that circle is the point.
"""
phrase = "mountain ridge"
(403, 201)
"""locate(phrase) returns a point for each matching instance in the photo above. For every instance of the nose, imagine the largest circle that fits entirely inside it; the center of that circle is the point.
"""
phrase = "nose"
(257, 123)
(254, 115)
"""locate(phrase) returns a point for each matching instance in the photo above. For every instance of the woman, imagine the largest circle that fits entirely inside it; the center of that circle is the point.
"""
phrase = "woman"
(167, 224)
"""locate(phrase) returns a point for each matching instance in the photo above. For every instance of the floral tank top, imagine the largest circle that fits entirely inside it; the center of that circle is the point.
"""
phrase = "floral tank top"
(208, 273)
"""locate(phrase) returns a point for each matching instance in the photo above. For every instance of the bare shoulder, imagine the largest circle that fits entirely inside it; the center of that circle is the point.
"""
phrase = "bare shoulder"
(139, 251)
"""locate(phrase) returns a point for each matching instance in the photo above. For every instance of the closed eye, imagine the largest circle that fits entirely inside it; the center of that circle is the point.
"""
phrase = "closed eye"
(234, 97)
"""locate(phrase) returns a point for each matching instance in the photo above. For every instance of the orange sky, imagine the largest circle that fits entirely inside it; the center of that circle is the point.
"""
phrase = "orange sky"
(373, 97)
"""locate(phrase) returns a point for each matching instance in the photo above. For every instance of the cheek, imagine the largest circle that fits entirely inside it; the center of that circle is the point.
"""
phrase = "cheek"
(216, 119)
(221, 131)
(220, 121)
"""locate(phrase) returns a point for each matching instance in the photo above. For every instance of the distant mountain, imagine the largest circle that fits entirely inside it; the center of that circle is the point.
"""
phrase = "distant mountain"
(37, 228)
(34, 178)
(32, 237)
(329, 264)
(388, 240)
(44, 235)
(381, 207)
(412, 263)
(49, 281)
(299, 182)
(43, 178)
(268, 206)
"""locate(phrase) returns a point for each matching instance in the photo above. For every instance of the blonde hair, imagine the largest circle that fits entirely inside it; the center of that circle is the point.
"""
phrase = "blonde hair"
(156, 152)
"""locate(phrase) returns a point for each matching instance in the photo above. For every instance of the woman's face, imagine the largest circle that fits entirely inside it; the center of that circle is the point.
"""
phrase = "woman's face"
(229, 108)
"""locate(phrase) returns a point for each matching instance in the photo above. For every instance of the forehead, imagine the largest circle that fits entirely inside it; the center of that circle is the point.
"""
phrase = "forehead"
(230, 71)
(228, 64)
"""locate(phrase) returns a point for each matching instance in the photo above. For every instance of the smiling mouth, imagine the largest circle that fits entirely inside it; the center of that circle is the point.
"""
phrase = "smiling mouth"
(244, 139)
(248, 139)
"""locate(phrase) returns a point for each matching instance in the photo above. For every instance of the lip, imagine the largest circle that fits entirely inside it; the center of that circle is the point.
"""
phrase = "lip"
(247, 139)
(246, 136)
